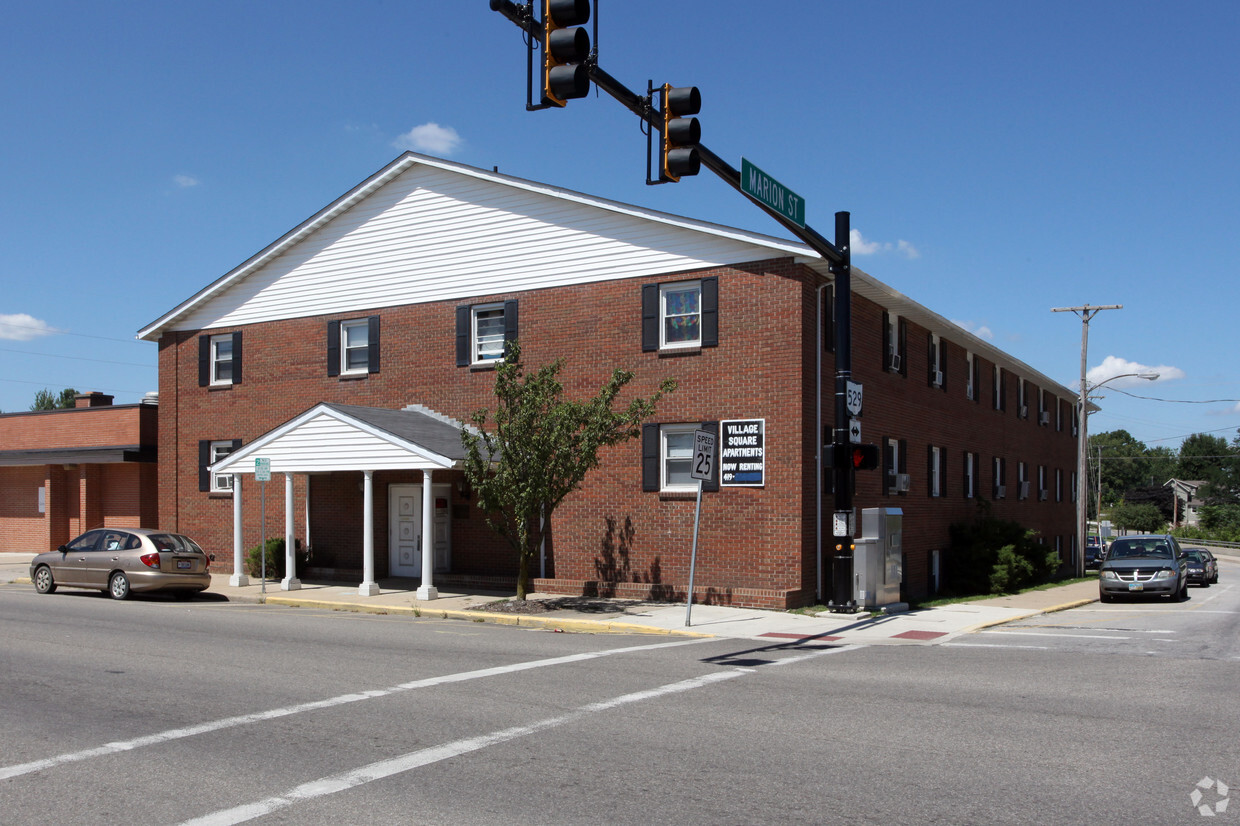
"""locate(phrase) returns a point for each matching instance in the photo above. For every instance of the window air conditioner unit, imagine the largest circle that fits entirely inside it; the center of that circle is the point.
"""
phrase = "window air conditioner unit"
(968, 391)
(894, 364)
(1042, 494)
(938, 378)
(1024, 411)
(1044, 418)
(1024, 490)
(903, 482)
(1000, 491)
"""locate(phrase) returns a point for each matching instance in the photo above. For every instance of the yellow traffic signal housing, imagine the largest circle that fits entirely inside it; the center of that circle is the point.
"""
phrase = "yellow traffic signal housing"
(565, 48)
(681, 134)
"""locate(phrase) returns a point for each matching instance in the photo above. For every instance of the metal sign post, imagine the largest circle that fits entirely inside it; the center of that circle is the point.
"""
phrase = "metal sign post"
(703, 468)
(262, 473)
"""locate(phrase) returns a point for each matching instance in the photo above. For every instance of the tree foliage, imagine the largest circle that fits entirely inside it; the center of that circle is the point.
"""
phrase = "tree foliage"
(1142, 518)
(538, 448)
(47, 400)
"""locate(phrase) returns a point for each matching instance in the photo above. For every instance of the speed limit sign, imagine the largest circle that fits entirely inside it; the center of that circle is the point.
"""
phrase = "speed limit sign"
(703, 455)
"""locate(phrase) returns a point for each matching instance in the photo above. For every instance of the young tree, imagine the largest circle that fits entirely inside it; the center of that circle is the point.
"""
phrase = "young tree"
(1144, 518)
(46, 400)
(540, 448)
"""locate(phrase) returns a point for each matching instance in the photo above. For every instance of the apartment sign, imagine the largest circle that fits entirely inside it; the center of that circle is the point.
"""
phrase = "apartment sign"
(742, 454)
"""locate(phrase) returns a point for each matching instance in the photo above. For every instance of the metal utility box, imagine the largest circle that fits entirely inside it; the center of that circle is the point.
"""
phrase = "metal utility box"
(878, 560)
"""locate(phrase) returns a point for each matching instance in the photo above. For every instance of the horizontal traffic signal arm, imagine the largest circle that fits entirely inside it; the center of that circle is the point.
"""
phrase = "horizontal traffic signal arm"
(640, 106)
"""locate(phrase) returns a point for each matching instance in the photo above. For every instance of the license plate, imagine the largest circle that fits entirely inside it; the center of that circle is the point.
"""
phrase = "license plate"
(184, 564)
(1136, 586)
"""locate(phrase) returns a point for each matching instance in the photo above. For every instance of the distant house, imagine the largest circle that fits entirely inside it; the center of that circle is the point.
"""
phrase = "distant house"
(1186, 501)
(350, 350)
(63, 472)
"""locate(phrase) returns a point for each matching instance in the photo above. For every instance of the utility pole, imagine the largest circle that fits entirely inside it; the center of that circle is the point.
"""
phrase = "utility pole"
(1086, 312)
(568, 66)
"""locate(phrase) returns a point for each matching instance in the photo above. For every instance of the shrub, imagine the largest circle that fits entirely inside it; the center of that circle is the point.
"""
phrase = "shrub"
(275, 558)
(994, 556)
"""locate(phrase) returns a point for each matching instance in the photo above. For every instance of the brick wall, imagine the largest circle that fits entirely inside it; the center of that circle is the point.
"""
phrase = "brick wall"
(756, 546)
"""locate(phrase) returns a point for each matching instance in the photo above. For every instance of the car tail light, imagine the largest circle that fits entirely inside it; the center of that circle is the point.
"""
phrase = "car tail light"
(151, 560)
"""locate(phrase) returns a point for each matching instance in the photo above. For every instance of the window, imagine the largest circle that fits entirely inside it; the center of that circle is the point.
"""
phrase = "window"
(1043, 492)
(895, 344)
(1022, 481)
(219, 360)
(353, 347)
(1000, 389)
(895, 467)
(680, 315)
(1058, 484)
(970, 388)
(667, 457)
(934, 471)
(483, 330)
(937, 361)
(1000, 477)
(970, 475)
(1022, 399)
(210, 452)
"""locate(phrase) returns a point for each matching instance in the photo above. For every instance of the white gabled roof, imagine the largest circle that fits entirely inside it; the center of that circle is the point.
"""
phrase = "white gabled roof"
(424, 229)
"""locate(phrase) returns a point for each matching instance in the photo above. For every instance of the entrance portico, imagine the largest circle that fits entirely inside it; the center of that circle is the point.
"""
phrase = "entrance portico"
(336, 438)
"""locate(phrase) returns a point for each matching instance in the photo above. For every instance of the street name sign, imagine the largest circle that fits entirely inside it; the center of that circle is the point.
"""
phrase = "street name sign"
(771, 193)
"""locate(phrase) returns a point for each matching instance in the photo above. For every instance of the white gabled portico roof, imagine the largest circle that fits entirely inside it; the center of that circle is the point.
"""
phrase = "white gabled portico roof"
(338, 437)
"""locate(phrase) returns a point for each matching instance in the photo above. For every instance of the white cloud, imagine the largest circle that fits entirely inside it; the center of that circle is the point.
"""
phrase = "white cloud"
(860, 246)
(979, 330)
(22, 327)
(185, 181)
(1112, 366)
(430, 137)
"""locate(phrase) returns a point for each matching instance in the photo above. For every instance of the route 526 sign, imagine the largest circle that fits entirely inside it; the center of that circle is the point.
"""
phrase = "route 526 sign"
(703, 455)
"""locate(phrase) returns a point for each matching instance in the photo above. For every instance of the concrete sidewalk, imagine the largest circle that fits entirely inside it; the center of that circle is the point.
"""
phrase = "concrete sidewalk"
(591, 615)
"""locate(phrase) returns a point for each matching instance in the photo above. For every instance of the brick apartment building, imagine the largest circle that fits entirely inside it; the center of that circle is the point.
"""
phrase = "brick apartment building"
(63, 472)
(349, 351)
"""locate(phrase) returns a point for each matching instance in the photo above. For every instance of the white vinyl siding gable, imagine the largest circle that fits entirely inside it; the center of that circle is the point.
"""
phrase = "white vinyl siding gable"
(432, 234)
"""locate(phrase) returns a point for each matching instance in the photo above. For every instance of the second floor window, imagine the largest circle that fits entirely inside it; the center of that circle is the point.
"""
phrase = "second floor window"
(353, 346)
(680, 315)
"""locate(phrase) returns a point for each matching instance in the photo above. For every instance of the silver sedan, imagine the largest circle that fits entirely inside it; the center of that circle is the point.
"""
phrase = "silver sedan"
(124, 561)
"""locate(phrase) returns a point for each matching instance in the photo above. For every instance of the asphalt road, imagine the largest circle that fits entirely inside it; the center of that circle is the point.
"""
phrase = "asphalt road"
(159, 712)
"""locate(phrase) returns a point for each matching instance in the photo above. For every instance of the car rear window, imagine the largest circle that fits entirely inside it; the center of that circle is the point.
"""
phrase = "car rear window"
(168, 542)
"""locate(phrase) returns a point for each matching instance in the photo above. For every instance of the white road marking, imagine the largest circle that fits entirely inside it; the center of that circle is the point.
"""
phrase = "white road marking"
(1060, 636)
(989, 645)
(423, 757)
(271, 714)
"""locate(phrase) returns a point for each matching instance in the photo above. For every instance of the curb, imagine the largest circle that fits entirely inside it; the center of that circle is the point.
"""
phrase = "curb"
(1031, 613)
(521, 620)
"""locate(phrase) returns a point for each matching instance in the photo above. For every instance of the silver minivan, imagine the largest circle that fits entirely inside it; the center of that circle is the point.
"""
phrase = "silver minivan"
(1147, 565)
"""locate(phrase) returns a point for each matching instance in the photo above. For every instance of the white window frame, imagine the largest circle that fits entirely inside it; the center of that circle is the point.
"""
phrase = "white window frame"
(476, 341)
(970, 392)
(1058, 484)
(936, 344)
(1021, 479)
(892, 470)
(970, 490)
(1022, 399)
(896, 361)
(998, 394)
(666, 290)
(220, 482)
(936, 471)
(216, 360)
(683, 435)
(362, 324)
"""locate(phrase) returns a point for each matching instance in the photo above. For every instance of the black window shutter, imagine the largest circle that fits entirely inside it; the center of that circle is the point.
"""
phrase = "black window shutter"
(204, 459)
(650, 457)
(889, 481)
(650, 317)
(204, 361)
(931, 358)
(372, 344)
(333, 348)
(462, 335)
(886, 365)
(511, 326)
(237, 357)
(942, 472)
(943, 364)
(902, 346)
(930, 470)
(710, 312)
(1002, 389)
(712, 484)
(964, 480)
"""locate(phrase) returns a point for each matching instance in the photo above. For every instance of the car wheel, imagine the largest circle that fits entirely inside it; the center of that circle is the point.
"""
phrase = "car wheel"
(1105, 597)
(118, 586)
(43, 582)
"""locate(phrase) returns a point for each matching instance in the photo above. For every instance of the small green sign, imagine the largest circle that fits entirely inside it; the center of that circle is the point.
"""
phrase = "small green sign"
(766, 190)
(262, 469)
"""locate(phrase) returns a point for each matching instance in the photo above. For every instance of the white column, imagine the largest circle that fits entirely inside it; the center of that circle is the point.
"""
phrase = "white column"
(427, 589)
(290, 581)
(307, 512)
(238, 579)
(369, 587)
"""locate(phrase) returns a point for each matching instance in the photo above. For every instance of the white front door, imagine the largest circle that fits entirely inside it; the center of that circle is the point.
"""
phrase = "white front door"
(405, 530)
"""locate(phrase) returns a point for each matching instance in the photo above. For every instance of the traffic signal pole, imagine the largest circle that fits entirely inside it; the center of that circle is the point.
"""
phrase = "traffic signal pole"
(839, 259)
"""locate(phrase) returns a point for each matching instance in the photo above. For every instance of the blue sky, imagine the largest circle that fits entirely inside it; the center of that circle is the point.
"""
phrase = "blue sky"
(998, 158)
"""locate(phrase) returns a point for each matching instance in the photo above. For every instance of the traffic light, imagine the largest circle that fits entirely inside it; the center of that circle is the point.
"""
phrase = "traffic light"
(564, 50)
(858, 457)
(681, 134)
